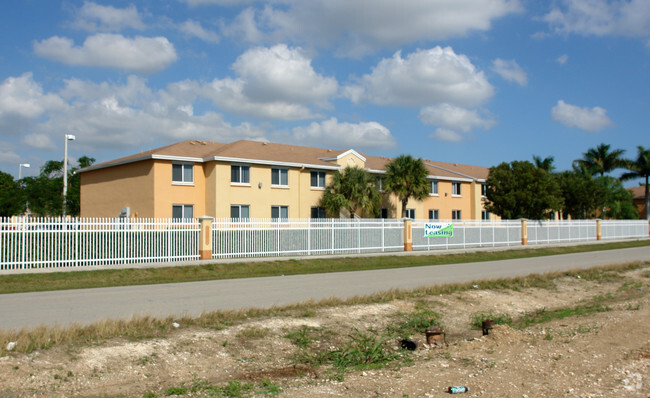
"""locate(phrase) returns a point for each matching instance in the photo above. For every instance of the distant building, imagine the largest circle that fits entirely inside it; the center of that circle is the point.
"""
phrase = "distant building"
(250, 179)
(639, 200)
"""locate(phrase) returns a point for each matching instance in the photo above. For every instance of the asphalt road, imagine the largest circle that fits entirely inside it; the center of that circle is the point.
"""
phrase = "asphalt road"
(90, 305)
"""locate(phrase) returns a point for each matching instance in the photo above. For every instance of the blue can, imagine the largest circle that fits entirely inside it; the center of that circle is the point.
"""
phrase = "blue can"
(457, 389)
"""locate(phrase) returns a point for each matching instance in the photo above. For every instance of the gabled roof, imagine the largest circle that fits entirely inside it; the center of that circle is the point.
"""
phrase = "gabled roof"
(258, 152)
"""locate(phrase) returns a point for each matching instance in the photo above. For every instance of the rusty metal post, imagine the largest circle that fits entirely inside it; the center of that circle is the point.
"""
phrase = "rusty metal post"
(408, 235)
(524, 231)
(599, 229)
(205, 238)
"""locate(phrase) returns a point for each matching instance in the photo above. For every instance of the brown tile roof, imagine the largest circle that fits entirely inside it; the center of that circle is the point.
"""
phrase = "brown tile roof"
(281, 153)
(638, 192)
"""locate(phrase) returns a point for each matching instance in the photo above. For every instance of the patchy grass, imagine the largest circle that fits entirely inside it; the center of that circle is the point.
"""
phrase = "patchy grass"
(33, 282)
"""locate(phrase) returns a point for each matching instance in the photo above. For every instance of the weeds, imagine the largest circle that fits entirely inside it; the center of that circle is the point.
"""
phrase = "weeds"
(498, 319)
(543, 315)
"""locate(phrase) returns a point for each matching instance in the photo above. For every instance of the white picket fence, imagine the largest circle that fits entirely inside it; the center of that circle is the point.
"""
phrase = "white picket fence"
(27, 243)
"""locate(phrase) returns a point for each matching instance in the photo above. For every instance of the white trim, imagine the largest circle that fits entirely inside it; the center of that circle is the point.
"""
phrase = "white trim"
(346, 153)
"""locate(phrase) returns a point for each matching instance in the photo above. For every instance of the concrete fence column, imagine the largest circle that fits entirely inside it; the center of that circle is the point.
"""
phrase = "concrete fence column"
(205, 238)
(524, 231)
(408, 235)
(599, 229)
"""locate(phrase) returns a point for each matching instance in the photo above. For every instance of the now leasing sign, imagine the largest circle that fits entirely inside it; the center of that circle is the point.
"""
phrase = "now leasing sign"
(439, 230)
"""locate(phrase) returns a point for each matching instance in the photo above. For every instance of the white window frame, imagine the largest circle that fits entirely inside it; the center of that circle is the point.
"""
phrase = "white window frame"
(433, 188)
(485, 215)
(319, 184)
(279, 171)
(456, 189)
(241, 167)
(410, 213)
(380, 184)
(184, 211)
(280, 209)
(434, 214)
(239, 211)
(484, 189)
(456, 215)
(184, 167)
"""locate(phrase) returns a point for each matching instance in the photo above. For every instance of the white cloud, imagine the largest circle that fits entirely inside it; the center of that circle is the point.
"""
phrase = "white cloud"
(39, 141)
(437, 75)
(22, 102)
(452, 120)
(194, 28)
(332, 134)
(562, 59)
(629, 18)
(141, 54)
(8, 155)
(271, 83)
(94, 17)
(383, 25)
(510, 71)
(594, 119)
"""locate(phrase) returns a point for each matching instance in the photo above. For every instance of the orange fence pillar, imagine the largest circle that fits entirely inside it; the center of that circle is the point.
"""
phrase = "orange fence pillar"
(205, 238)
(599, 230)
(524, 231)
(408, 235)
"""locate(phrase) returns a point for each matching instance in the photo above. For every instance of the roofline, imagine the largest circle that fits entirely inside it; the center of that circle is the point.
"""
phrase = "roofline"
(433, 177)
(453, 172)
(271, 162)
(348, 152)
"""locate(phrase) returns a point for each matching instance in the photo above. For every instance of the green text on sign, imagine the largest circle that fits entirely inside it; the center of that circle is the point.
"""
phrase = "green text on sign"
(438, 230)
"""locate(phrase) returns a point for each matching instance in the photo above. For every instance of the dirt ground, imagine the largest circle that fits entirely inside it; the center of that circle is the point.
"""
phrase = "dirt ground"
(604, 354)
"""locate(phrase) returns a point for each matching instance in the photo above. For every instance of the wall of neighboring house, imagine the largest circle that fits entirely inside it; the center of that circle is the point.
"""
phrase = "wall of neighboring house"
(104, 192)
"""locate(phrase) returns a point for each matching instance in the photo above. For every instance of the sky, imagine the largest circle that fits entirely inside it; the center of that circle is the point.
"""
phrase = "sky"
(477, 82)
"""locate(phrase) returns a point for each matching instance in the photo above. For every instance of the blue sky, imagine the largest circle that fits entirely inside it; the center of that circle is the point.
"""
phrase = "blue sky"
(469, 81)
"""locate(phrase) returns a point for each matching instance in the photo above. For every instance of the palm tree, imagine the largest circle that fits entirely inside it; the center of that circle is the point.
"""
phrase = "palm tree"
(600, 160)
(406, 177)
(640, 168)
(353, 189)
(544, 164)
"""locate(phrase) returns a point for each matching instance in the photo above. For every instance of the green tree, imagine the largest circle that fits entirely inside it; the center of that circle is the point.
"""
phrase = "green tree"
(544, 164)
(44, 193)
(618, 201)
(354, 189)
(640, 168)
(521, 190)
(73, 202)
(601, 160)
(10, 196)
(406, 177)
(582, 195)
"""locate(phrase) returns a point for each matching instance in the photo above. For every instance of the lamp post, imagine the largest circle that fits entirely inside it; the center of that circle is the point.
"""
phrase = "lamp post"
(68, 137)
(20, 169)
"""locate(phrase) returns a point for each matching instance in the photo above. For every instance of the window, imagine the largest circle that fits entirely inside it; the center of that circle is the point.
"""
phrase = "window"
(317, 180)
(182, 211)
(455, 188)
(182, 173)
(318, 212)
(455, 215)
(240, 174)
(380, 185)
(240, 212)
(433, 214)
(280, 177)
(279, 212)
(434, 187)
(483, 189)
(384, 213)
(410, 213)
(485, 215)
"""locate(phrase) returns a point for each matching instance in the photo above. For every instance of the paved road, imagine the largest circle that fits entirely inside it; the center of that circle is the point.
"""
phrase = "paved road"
(90, 305)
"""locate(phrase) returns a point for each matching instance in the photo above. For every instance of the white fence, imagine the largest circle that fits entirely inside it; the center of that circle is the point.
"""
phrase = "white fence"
(52, 243)
(268, 237)
(469, 234)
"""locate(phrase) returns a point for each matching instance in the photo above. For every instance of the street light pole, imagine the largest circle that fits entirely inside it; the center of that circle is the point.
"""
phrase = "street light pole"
(20, 169)
(68, 137)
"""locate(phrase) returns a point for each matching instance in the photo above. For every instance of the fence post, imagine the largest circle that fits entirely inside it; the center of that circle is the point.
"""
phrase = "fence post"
(408, 235)
(524, 231)
(599, 229)
(205, 238)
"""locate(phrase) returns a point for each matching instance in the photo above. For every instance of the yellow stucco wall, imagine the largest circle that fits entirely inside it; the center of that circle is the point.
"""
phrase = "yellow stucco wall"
(104, 192)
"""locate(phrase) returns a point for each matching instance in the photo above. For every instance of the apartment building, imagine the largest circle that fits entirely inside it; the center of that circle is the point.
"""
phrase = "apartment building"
(250, 179)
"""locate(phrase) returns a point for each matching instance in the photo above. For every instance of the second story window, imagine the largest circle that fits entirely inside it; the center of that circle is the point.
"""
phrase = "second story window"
(317, 179)
(240, 174)
(182, 173)
(434, 187)
(455, 188)
(280, 177)
(380, 184)
(483, 189)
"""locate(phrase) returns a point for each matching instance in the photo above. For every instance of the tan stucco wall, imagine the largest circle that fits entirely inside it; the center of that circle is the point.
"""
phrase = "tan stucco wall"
(104, 192)
(169, 193)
